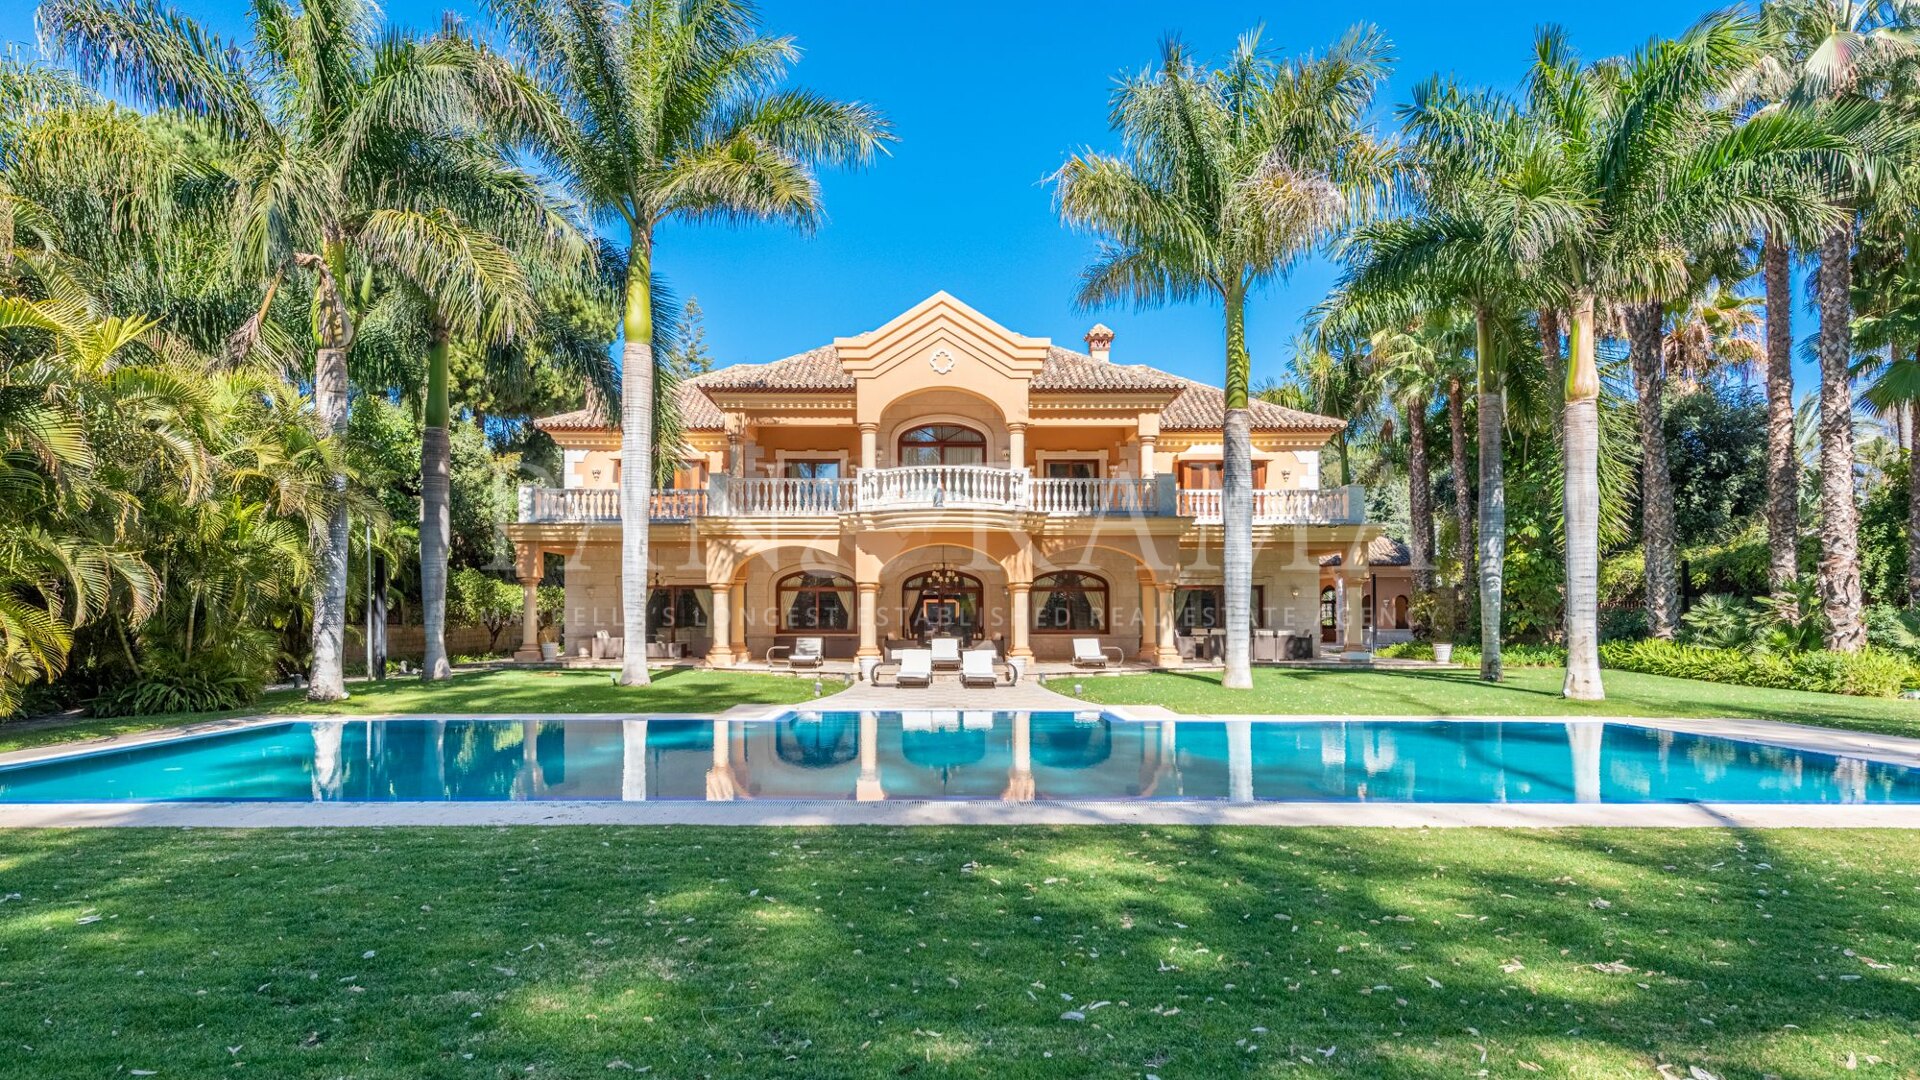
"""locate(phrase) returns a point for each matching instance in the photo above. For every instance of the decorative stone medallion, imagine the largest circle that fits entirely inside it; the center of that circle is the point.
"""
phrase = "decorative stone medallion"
(941, 361)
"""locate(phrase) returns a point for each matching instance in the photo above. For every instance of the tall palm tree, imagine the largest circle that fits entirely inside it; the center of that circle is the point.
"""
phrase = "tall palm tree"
(1414, 365)
(320, 111)
(1826, 52)
(1449, 250)
(670, 110)
(1639, 170)
(1227, 177)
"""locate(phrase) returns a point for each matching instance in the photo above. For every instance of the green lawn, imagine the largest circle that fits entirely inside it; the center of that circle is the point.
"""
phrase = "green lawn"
(1526, 692)
(496, 691)
(863, 952)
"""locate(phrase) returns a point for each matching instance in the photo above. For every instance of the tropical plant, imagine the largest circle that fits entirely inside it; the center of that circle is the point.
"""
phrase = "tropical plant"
(1226, 178)
(669, 110)
(329, 122)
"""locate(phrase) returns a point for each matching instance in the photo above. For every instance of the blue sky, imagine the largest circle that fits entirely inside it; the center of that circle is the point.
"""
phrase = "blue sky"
(988, 98)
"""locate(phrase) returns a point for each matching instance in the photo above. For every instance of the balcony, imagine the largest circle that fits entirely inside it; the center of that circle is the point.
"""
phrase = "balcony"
(945, 487)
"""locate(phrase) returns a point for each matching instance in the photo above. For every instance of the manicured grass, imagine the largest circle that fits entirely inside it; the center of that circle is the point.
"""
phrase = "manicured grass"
(496, 691)
(869, 952)
(1526, 692)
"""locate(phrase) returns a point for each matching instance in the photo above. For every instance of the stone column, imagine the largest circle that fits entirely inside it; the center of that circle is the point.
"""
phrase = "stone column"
(1149, 623)
(740, 624)
(868, 601)
(1016, 446)
(1146, 457)
(1163, 612)
(720, 653)
(867, 788)
(1019, 596)
(869, 446)
(1353, 584)
(529, 620)
(736, 465)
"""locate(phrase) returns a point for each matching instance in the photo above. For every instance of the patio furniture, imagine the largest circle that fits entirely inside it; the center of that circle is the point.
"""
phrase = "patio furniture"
(946, 653)
(803, 653)
(976, 668)
(916, 668)
(1088, 653)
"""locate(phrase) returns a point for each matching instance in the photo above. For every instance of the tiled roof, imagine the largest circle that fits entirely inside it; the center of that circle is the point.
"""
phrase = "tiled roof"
(1067, 371)
(577, 420)
(1203, 408)
(1195, 406)
(815, 369)
(1384, 551)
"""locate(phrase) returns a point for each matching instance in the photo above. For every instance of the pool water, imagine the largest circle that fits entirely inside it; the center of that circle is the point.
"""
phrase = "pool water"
(957, 755)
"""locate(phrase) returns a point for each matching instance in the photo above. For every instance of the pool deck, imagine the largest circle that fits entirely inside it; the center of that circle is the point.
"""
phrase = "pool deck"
(1891, 749)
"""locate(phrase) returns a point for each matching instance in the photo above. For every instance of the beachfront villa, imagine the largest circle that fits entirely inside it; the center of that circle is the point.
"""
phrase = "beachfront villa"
(944, 475)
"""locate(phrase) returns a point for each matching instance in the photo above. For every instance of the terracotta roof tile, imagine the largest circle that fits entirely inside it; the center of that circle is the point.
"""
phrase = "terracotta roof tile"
(1195, 406)
(1383, 551)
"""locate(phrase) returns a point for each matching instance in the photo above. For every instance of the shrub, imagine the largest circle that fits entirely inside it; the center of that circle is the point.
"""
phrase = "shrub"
(1512, 655)
(212, 680)
(1868, 673)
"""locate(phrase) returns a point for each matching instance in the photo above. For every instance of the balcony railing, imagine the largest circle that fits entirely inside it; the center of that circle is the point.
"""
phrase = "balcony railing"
(931, 487)
(1326, 506)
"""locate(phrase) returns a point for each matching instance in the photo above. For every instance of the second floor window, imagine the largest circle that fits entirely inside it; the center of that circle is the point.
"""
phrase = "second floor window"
(812, 469)
(1206, 475)
(943, 444)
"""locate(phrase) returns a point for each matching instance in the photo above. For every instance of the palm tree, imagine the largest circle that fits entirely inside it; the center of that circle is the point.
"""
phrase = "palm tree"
(320, 112)
(669, 110)
(1638, 170)
(1415, 367)
(1827, 52)
(1449, 251)
(1226, 178)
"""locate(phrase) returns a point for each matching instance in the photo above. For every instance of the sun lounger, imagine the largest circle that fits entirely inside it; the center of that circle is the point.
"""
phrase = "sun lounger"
(803, 653)
(916, 668)
(1088, 653)
(946, 653)
(976, 668)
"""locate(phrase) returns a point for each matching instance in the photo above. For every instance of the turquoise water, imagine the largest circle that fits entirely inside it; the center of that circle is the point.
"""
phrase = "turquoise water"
(957, 755)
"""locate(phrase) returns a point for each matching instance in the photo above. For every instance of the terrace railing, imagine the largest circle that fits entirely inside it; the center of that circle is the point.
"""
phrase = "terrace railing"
(932, 487)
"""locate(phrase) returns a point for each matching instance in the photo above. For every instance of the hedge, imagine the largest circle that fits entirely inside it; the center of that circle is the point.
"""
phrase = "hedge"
(1469, 655)
(1867, 673)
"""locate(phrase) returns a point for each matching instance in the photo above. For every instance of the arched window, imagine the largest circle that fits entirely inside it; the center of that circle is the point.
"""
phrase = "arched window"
(1069, 601)
(943, 444)
(1400, 612)
(814, 602)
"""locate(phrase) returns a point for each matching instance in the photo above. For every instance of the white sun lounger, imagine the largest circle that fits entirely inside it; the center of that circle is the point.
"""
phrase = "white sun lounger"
(804, 652)
(946, 653)
(976, 668)
(916, 668)
(1088, 653)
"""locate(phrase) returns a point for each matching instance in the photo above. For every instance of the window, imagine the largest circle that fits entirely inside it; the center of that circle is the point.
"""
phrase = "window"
(1069, 602)
(1204, 607)
(812, 469)
(1072, 469)
(943, 444)
(813, 602)
(1206, 475)
(677, 610)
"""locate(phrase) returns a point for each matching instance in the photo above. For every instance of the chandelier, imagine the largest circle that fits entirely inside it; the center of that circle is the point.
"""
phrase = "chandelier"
(945, 577)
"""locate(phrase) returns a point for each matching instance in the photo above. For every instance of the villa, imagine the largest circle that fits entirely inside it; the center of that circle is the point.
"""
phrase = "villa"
(944, 475)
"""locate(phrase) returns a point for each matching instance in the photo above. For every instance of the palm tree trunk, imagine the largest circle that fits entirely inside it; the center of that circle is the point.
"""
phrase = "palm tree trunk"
(1493, 496)
(1839, 581)
(1913, 507)
(436, 529)
(636, 458)
(326, 680)
(1236, 501)
(1419, 498)
(1656, 480)
(1783, 462)
(1463, 511)
(1582, 459)
(1556, 363)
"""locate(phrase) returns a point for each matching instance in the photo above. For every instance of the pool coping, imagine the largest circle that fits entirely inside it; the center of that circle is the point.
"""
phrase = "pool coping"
(1891, 749)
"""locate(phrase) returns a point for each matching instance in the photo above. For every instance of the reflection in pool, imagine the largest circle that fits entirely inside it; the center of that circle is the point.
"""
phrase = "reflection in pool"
(1015, 756)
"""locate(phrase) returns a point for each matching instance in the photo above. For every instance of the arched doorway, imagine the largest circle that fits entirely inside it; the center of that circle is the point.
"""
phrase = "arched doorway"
(1329, 615)
(942, 603)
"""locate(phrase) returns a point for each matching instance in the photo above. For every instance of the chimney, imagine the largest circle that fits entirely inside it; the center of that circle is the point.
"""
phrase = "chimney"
(1099, 341)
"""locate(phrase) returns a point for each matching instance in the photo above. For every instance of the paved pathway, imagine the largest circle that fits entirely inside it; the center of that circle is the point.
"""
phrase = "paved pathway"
(947, 693)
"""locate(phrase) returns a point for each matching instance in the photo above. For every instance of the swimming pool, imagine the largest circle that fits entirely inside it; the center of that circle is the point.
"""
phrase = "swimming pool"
(1018, 756)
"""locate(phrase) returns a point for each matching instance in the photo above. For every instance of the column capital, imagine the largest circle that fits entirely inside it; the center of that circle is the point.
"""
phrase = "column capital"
(869, 426)
(1016, 425)
(1019, 586)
